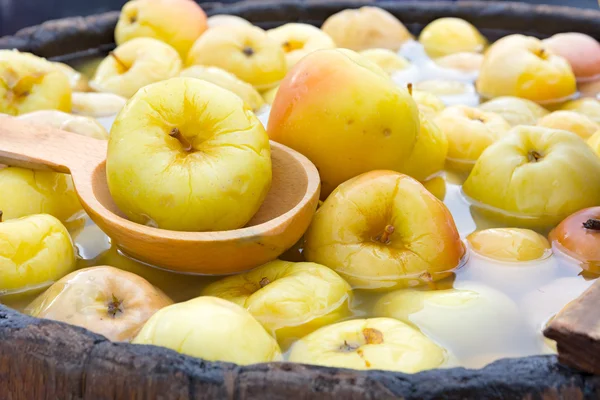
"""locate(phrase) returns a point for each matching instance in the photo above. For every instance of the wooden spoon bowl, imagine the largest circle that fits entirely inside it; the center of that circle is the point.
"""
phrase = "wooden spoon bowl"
(278, 225)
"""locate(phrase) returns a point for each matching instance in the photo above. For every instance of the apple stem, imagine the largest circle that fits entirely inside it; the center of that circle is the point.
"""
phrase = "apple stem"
(118, 60)
(410, 88)
(592, 224)
(114, 306)
(1, 214)
(248, 51)
(385, 236)
(264, 282)
(347, 347)
(534, 156)
(175, 133)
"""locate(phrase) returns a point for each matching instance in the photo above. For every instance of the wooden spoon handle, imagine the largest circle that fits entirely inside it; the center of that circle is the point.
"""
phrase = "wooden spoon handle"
(35, 146)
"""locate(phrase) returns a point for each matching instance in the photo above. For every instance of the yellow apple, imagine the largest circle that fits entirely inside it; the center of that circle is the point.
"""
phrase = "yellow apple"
(594, 142)
(289, 299)
(104, 300)
(464, 61)
(436, 186)
(78, 81)
(225, 20)
(580, 50)
(269, 95)
(84, 126)
(97, 104)
(388, 60)
(35, 251)
(523, 66)
(345, 114)
(514, 110)
(446, 36)
(375, 343)
(429, 104)
(382, 230)
(587, 106)
(570, 121)
(245, 51)
(212, 329)
(366, 28)
(30, 83)
(176, 22)
(228, 81)
(135, 64)
(187, 155)
(297, 40)
(516, 178)
(510, 244)
(469, 132)
(443, 87)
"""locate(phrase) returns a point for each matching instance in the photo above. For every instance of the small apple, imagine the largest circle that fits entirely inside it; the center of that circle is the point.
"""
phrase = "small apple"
(580, 50)
(187, 155)
(436, 186)
(587, 106)
(269, 95)
(388, 60)
(594, 142)
(517, 177)
(469, 132)
(446, 36)
(345, 114)
(523, 66)
(212, 329)
(443, 87)
(297, 40)
(225, 20)
(366, 28)
(383, 230)
(375, 343)
(289, 299)
(176, 22)
(30, 83)
(464, 61)
(510, 244)
(78, 81)
(228, 81)
(245, 51)
(84, 126)
(429, 104)
(97, 104)
(35, 251)
(135, 64)
(570, 121)
(104, 300)
(514, 110)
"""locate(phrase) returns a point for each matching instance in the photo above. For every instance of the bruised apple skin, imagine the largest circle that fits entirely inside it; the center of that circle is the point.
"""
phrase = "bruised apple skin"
(289, 299)
(446, 36)
(212, 329)
(245, 51)
(35, 251)
(522, 66)
(578, 235)
(176, 22)
(297, 40)
(345, 114)
(30, 83)
(384, 230)
(388, 60)
(587, 106)
(102, 299)
(516, 178)
(580, 50)
(509, 244)
(187, 155)
(375, 343)
(570, 121)
(84, 126)
(135, 64)
(514, 110)
(366, 28)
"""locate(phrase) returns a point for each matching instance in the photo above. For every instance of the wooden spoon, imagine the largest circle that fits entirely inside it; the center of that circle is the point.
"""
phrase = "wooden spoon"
(277, 226)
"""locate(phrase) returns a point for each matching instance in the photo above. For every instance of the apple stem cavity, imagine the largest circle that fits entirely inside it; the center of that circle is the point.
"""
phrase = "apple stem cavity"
(264, 282)
(118, 60)
(591, 224)
(534, 156)
(175, 133)
(372, 336)
(249, 51)
(348, 347)
(384, 238)
(114, 306)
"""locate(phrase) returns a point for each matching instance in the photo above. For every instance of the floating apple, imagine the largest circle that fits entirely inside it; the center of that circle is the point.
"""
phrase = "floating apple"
(429, 104)
(212, 329)
(97, 104)
(587, 106)
(78, 81)
(446, 36)
(375, 343)
(345, 114)
(383, 230)
(443, 87)
(580, 50)
(225, 20)
(176, 22)
(297, 40)
(84, 126)
(135, 64)
(366, 28)
(245, 51)
(510, 244)
(516, 178)
(388, 60)
(436, 186)
(570, 121)
(514, 110)
(30, 83)
(187, 155)
(464, 61)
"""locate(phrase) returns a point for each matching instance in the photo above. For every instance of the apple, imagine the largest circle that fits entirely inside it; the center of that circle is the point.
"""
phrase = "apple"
(289, 299)
(429, 104)
(84, 126)
(463, 61)
(30, 83)
(374, 343)
(384, 230)
(297, 40)
(570, 121)
(228, 81)
(35, 251)
(269, 95)
(245, 51)
(436, 186)
(523, 66)
(510, 244)
(102, 299)
(78, 82)
(469, 132)
(176, 22)
(443, 87)
(514, 110)
(345, 114)
(388, 60)
(225, 20)
(516, 178)
(580, 50)
(212, 329)
(446, 36)
(594, 142)
(366, 28)
(187, 155)
(97, 104)
(135, 64)
(587, 106)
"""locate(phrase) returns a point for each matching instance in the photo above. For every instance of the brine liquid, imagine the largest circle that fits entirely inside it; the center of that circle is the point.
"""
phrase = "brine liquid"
(538, 289)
